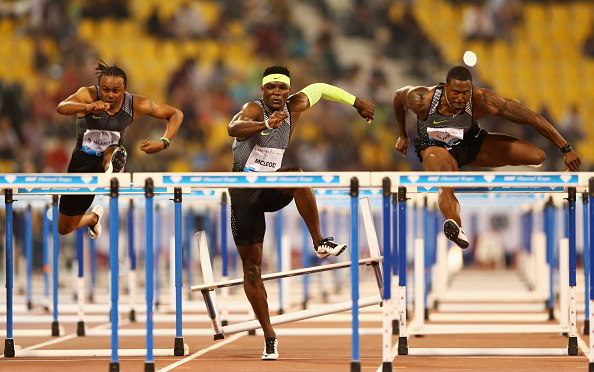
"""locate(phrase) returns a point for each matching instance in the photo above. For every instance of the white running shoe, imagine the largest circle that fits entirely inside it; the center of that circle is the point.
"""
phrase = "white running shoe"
(117, 161)
(455, 233)
(95, 231)
(270, 349)
(327, 247)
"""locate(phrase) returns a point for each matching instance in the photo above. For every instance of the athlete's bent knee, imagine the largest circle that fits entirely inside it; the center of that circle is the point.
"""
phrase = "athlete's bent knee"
(251, 272)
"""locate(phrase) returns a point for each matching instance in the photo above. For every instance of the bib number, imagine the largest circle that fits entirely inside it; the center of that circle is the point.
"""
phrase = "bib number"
(96, 141)
(448, 136)
(264, 159)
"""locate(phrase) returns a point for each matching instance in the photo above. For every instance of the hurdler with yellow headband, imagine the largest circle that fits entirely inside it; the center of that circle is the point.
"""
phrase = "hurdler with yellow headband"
(262, 130)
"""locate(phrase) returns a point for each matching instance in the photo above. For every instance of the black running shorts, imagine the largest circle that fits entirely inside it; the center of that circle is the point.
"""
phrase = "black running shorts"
(247, 212)
(464, 152)
(81, 162)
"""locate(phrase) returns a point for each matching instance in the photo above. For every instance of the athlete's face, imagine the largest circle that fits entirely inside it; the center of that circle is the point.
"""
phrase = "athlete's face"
(275, 94)
(458, 93)
(112, 89)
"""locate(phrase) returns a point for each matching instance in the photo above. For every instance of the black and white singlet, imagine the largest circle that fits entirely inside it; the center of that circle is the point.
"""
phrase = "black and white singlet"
(96, 132)
(263, 151)
(444, 130)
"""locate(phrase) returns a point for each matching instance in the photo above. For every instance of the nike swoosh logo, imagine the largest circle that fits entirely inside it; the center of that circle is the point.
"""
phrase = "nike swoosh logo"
(437, 122)
(479, 132)
(264, 134)
(96, 117)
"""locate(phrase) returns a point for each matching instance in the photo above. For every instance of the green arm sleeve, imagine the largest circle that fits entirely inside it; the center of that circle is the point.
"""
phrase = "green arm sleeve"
(321, 90)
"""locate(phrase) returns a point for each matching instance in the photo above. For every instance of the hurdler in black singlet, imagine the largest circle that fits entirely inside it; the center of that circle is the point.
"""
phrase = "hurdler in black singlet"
(459, 134)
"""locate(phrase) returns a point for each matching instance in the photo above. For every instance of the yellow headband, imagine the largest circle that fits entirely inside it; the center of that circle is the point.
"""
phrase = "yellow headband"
(276, 77)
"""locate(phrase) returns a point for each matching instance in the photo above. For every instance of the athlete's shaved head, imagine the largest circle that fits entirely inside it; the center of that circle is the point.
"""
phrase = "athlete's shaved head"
(458, 73)
(276, 70)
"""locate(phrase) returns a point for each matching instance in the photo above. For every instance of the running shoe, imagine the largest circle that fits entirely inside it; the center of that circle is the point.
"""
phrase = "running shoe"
(95, 231)
(455, 233)
(270, 349)
(327, 247)
(118, 161)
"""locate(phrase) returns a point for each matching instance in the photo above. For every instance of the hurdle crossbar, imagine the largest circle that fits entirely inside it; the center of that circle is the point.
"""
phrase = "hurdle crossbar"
(287, 274)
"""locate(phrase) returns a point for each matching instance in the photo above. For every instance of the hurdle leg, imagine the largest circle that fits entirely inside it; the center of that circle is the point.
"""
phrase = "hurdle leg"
(114, 364)
(179, 340)
(56, 242)
(132, 258)
(9, 342)
(387, 265)
(46, 268)
(586, 259)
(572, 348)
(80, 327)
(402, 339)
(149, 364)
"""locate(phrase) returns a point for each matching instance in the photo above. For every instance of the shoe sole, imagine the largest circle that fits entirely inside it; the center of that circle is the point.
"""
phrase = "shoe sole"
(117, 165)
(451, 231)
(342, 250)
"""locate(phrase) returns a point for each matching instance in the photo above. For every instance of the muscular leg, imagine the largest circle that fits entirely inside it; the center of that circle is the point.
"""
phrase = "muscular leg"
(251, 258)
(499, 150)
(438, 159)
(305, 200)
(67, 224)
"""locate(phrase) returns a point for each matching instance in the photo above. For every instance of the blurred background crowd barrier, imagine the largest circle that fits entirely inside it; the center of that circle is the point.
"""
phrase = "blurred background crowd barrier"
(206, 57)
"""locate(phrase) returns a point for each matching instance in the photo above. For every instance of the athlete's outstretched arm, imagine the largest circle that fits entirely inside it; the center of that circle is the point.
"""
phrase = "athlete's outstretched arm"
(488, 102)
(82, 102)
(311, 94)
(413, 98)
(248, 121)
(145, 106)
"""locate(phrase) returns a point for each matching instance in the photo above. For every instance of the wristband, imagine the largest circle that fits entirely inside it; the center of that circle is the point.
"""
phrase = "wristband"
(565, 149)
(266, 123)
(165, 141)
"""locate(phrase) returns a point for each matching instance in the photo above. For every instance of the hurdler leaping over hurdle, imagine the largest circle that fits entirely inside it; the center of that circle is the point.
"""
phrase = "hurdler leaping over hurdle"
(450, 136)
(262, 130)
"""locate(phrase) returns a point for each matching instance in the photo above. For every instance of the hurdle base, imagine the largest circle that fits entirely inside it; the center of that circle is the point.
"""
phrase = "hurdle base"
(551, 314)
(252, 332)
(395, 327)
(590, 367)
(55, 328)
(426, 314)
(219, 336)
(29, 305)
(586, 327)
(355, 366)
(387, 367)
(132, 315)
(149, 367)
(402, 346)
(114, 367)
(178, 348)
(9, 348)
(224, 323)
(572, 347)
(80, 328)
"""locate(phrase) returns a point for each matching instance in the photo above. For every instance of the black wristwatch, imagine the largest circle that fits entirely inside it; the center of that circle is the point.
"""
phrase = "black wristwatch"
(565, 149)
(165, 142)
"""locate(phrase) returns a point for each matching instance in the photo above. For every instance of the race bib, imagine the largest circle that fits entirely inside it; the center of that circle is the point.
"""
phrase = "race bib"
(448, 136)
(264, 159)
(96, 141)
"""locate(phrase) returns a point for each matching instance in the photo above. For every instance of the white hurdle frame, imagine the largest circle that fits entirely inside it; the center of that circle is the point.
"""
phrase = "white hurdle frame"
(493, 181)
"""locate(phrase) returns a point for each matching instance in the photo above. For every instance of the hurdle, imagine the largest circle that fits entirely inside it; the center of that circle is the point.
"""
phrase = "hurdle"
(490, 182)
(48, 184)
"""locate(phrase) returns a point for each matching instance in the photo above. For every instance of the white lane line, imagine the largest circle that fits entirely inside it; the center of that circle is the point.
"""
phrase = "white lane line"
(203, 351)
